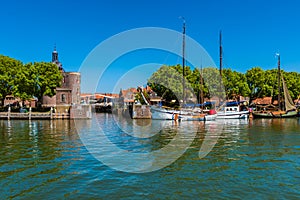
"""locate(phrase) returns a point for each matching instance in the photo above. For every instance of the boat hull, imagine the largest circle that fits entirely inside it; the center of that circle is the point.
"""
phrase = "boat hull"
(166, 114)
(211, 117)
(274, 114)
(192, 117)
(233, 115)
(163, 114)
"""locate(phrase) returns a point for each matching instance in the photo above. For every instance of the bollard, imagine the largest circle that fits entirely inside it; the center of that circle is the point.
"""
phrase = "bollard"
(8, 114)
(29, 113)
(51, 113)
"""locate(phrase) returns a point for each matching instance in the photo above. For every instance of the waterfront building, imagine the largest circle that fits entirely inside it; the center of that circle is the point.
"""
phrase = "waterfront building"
(127, 97)
(69, 92)
(64, 105)
(66, 102)
(263, 101)
(12, 101)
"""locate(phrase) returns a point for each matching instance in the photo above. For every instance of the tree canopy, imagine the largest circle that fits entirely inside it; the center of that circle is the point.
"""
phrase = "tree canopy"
(9, 68)
(167, 82)
(28, 80)
(46, 78)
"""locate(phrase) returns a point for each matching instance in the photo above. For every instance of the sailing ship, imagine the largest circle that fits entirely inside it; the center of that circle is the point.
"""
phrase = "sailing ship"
(289, 109)
(164, 113)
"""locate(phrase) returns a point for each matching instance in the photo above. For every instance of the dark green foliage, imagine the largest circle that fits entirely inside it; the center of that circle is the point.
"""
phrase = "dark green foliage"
(235, 84)
(9, 68)
(167, 82)
(29, 80)
(47, 78)
(256, 82)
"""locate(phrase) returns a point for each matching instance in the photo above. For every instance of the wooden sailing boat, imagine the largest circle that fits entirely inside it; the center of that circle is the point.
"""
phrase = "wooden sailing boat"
(289, 109)
(159, 112)
(181, 114)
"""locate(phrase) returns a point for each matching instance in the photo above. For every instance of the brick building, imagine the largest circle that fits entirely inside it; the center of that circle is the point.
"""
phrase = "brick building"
(69, 92)
(66, 102)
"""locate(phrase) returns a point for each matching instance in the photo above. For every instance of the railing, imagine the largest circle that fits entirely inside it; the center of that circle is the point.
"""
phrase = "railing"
(70, 112)
(34, 115)
(29, 115)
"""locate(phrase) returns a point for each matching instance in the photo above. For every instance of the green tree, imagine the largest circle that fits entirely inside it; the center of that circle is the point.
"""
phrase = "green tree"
(46, 78)
(270, 86)
(206, 81)
(25, 82)
(235, 84)
(195, 79)
(292, 80)
(9, 67)
(167, 82)
(265, 83)
(255, 80)
(213, 83)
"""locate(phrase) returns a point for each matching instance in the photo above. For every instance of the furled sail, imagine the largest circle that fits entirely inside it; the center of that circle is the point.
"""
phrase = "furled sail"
(289, 105)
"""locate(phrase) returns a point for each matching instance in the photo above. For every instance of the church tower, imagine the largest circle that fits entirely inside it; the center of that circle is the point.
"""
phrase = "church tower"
(55, 59)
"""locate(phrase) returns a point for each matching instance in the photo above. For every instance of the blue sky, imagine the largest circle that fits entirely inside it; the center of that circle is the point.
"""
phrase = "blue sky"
(253, 30)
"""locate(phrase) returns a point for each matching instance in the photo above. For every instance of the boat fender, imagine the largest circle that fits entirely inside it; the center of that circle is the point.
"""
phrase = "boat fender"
(176, 117)
(212, 112)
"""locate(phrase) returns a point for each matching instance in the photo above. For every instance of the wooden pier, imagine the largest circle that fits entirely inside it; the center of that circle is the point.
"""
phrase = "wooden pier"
(12, 115)
(34, 115)
(59, 112)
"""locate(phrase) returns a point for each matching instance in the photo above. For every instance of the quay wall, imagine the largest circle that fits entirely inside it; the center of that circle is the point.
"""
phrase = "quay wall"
(141, 112)
(81, 112)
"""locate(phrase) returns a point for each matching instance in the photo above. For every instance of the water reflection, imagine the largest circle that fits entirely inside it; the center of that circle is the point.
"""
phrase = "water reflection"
(149, 145)
(261, 156)
(157, 142)
(278, 124)
(30, 149)
(142, 128)
(219, 134)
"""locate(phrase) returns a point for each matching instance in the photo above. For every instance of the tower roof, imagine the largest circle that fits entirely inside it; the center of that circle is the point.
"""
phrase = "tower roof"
(55, 59)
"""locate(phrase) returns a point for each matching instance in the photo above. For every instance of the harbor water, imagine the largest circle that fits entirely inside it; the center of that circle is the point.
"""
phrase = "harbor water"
(242, 159)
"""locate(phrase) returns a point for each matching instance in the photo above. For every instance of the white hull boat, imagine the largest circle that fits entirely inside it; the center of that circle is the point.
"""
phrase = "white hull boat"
(163, 113)
(232, 112)
(170, 114)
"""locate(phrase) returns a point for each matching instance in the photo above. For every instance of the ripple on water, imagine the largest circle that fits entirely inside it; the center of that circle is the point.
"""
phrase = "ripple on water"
(42, 159)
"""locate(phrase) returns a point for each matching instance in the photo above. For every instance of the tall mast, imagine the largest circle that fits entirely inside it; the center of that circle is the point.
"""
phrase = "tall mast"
(221, 65)
(221, 54)
(183, 60)
(279, 98)
(202, 87)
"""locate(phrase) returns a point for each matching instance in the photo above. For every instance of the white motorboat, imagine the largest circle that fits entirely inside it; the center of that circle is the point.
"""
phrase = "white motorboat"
(233, 112)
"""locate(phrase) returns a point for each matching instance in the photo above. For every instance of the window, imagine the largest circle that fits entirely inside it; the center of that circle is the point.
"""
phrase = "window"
(63, 98)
